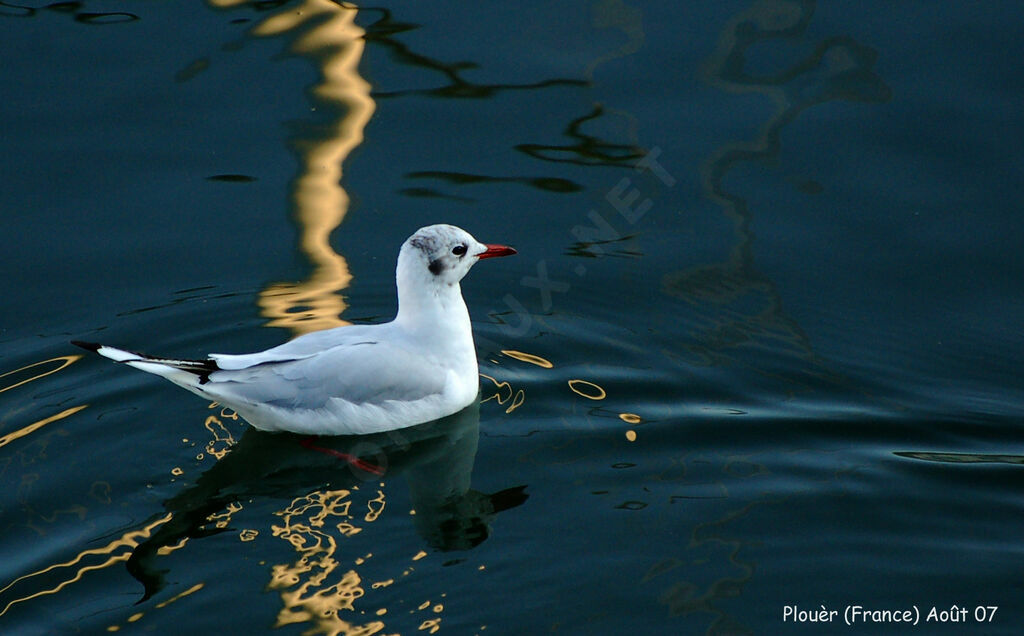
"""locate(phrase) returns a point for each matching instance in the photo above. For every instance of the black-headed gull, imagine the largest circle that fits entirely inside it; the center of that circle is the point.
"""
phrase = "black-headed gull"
(361, 378)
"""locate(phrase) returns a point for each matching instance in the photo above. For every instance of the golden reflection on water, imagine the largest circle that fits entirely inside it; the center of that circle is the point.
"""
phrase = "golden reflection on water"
(326, 33)
(35, 426)
(223, 439)
(136, 617)
(63, 362)
(503, 394)
(16, 380)
(308, 593)
(587, 389)
(318, 586)
(128, 541)
(71, 571)
(323, 588)
(528, 357)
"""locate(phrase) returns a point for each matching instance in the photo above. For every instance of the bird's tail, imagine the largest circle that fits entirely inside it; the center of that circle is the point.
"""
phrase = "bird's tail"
(185, 373)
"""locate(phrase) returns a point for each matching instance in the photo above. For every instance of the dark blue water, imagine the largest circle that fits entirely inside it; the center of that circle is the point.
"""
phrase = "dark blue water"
(758, 350)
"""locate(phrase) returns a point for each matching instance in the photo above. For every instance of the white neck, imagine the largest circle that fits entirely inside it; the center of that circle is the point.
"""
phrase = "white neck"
(432, 310)
(432, 306)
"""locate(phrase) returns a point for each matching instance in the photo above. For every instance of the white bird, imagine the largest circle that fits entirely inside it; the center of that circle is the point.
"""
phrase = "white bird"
(361, 378)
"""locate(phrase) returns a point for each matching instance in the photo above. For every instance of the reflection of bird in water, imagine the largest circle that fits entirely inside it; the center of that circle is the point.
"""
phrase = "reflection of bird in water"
(436, 459)
(356, 379)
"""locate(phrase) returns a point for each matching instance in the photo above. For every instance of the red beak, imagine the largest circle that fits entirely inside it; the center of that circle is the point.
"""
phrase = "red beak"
(494, 251)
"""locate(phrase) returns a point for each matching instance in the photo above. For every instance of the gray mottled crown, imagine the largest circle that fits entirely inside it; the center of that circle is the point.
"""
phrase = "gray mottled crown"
(436, 243)
(433, 238)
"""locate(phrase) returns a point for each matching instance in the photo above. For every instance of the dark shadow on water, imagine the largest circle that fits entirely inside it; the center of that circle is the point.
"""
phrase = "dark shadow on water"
(587, 150)
(962, 458)
(74, 9)
(547, 184)
(232, 178)
(435, 458)
(383, 32)
(430, 193)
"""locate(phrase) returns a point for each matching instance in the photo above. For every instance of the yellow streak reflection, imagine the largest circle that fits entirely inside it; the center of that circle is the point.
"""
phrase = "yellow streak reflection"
(35, 426)
(499, 386)
(375, 507)
(129, 540)
(317, 587)
(136, 617)
(222, 440)
(192, 590)
(66, 361)
(592, 391)
(528, 357)
(517, 401)
(516, 396)
(336, 43)
(303, 587)
(167, 549)
(248, 534)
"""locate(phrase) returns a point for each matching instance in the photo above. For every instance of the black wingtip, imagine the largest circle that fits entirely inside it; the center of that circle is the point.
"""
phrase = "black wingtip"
(88, 346)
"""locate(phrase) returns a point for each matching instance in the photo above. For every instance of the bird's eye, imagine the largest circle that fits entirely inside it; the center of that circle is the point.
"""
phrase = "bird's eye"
(459, 250)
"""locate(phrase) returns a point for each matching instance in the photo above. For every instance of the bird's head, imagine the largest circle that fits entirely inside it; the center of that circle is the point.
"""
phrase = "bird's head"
(443, 255)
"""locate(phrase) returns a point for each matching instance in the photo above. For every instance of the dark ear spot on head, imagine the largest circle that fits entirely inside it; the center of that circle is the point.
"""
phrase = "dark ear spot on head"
(435, 266)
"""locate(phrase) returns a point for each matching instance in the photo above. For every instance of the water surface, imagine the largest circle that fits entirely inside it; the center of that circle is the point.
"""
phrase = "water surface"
(758, 348)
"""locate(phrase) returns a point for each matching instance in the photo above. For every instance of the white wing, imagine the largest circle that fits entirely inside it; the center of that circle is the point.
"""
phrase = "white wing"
(300, 375)
(304, 346)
